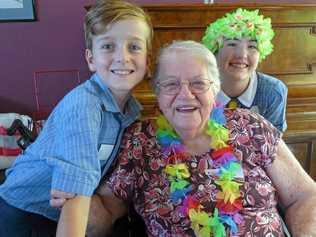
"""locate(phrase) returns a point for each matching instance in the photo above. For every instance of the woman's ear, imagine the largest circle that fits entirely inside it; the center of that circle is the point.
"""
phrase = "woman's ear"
(90, 60)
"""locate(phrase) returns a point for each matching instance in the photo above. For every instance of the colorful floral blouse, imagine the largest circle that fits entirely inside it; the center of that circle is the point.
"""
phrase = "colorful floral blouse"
(139, 177)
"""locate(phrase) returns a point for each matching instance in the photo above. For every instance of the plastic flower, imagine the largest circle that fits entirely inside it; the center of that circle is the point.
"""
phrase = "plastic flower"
(239, 24)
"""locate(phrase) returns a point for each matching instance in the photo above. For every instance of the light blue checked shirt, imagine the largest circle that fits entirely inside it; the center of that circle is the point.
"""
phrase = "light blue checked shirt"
(265, 95)
(77, 145)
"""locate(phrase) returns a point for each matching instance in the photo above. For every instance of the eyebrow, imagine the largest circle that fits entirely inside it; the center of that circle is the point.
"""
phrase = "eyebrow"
(129, 38)
(201, 76)
(136, 38)
(252, 40)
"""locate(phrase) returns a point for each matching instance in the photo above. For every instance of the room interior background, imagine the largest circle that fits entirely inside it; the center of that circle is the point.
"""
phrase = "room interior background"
(53, 42)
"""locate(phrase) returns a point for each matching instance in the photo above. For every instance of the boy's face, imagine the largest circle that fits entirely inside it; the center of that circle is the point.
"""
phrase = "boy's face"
(119, 55)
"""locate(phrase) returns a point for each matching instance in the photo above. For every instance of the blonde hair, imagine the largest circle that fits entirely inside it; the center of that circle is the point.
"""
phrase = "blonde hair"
(106, 12)
(194, 49)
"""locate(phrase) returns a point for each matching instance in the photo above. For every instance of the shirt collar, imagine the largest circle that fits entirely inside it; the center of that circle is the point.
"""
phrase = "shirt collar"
(246, 98)
(132, 105)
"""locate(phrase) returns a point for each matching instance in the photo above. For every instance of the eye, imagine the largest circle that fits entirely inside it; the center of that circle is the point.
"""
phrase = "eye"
(253, 46)
(199, 84)
(169, 84)
(107, 46)
(135, 47)
(231, 44)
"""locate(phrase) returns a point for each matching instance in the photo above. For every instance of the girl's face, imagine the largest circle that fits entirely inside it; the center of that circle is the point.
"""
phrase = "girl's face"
(237, 59)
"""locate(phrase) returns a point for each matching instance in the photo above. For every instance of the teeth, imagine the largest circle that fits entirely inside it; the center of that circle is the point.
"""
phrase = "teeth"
(121, 72)
(186, 108)
(239, 65)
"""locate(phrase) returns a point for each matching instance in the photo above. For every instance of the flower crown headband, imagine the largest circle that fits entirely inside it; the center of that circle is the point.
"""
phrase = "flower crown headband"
(239, 24)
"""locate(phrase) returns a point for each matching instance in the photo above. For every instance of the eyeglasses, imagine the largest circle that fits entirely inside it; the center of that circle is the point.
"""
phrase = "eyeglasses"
(173, 86)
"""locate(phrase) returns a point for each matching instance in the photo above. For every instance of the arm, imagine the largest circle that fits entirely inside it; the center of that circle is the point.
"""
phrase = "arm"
(301, 217)
(105, 209)
(297, 192)
(73, 155)
(58, 198)
(74, 217)
(276, 110)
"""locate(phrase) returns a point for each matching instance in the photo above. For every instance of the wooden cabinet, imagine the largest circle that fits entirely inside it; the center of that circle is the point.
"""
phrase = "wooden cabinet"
(293, 60)
(304, 149)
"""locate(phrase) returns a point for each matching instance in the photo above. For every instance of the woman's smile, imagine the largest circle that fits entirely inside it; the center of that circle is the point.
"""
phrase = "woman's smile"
(186, 108)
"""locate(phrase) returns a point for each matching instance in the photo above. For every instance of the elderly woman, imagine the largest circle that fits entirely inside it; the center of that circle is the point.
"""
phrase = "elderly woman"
(240, 40)
(201, 170)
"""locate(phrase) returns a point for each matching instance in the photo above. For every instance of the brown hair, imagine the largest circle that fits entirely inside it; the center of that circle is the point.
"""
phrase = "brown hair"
(106, 12)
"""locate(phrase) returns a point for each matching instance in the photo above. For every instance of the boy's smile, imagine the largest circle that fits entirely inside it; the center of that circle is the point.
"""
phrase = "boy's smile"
(119, 55)
(122, 72)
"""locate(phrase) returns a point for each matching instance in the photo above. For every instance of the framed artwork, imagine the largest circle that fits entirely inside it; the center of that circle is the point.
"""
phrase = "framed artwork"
(17, 10)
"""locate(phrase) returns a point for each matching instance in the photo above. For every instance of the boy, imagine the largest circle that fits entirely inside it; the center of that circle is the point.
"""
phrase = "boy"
(82, 135)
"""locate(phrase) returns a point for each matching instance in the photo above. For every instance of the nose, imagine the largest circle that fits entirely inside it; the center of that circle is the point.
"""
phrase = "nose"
(122, 55)
(185, 90)
(241, 51)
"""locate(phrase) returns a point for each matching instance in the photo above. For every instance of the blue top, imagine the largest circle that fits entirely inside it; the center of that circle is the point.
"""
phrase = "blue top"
(265, 95)
(77, 145)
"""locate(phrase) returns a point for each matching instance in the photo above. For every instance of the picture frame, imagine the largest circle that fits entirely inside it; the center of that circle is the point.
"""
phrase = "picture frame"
(17, 10)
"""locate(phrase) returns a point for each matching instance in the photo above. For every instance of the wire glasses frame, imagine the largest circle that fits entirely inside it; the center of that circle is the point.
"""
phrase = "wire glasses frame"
(173, 86)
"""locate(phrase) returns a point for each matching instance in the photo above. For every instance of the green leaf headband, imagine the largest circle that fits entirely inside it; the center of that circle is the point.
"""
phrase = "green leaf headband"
(239, 24)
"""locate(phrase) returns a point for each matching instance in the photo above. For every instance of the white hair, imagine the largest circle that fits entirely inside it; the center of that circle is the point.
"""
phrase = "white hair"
(194, 49)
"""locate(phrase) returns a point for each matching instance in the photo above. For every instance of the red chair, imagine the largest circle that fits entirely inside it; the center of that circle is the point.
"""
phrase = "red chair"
(46, 98)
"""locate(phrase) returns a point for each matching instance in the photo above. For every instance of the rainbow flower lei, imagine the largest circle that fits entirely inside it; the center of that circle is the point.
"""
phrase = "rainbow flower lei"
(229, 177)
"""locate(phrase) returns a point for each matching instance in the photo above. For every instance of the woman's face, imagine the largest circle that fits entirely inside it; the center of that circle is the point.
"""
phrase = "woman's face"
(237, 59)
(186, 111)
